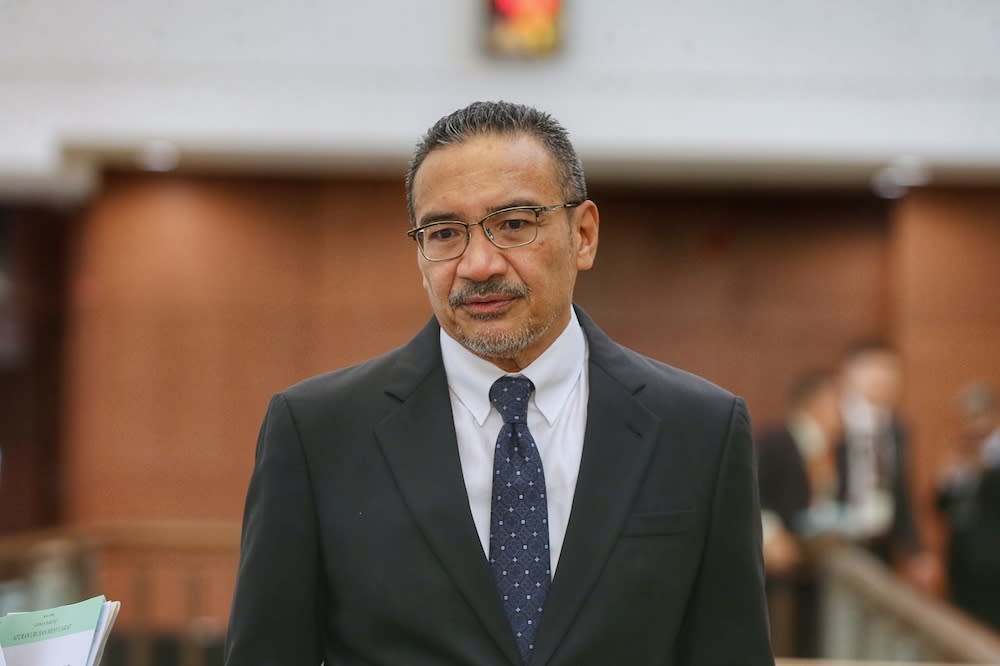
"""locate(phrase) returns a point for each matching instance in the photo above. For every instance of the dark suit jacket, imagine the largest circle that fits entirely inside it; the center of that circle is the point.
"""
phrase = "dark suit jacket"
(973, 513)
(359, 545)
(785, 488)
(784, 481)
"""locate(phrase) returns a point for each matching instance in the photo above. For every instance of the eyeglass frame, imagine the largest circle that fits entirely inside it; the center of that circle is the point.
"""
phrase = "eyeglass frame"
(537, 210)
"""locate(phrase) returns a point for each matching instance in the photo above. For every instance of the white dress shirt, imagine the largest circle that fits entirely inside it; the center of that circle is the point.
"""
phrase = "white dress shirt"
(990, 450)
(557, 418)
(870, 463)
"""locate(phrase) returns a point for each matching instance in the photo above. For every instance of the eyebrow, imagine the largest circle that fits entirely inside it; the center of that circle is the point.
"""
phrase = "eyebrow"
(449, 216)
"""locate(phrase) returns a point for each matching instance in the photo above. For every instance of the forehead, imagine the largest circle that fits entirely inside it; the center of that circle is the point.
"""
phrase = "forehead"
(484, 171)
(883, 361)
(875, 359)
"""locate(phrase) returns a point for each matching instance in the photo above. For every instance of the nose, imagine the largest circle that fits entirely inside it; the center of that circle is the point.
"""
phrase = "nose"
(482, 259)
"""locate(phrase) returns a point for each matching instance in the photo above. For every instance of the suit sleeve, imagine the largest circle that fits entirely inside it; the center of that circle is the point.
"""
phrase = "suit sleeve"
(772, 474)
(276, 613)
(904, 533)
(726, 622)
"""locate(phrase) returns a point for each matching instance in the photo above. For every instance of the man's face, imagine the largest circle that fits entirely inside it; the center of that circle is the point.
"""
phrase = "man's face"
(976, 427)
(824, 407)
(505, 305)
(878, 377)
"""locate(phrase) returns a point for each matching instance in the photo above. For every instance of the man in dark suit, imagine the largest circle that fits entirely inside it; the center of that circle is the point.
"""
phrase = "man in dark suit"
(873, 463)
(511, 486)
(968, 497)
(797, 489)
(797, 474)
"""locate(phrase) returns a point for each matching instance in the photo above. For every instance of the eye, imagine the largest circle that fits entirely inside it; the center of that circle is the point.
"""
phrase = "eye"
(441, 234)
(514, 225)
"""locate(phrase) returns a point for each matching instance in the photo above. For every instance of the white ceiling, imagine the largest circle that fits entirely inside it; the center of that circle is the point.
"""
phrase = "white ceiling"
(738, 92)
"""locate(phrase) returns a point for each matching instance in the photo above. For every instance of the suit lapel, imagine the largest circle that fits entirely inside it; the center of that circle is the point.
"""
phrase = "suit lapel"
(620, 437)
(843, 474)
(418, 441)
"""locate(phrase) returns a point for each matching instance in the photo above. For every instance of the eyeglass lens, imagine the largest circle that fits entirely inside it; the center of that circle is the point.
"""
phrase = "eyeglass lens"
(506, 229)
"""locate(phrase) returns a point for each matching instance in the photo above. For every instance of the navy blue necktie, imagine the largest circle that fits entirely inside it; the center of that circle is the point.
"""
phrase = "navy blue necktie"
(519, 523)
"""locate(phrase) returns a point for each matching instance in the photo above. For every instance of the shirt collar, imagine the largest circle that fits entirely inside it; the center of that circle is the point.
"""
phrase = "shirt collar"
(862, 417)
(808, 435)
(554, 373)
(991, 449)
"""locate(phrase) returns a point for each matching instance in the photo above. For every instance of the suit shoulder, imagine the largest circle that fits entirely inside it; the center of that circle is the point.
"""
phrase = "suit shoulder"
(670, 392)
(775, 437)
(658, 386)
(345, 382)
(665, 380)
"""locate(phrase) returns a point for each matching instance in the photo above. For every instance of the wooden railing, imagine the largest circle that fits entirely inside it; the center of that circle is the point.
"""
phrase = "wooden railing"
(167, 576)
(868, 613)
(162, 572)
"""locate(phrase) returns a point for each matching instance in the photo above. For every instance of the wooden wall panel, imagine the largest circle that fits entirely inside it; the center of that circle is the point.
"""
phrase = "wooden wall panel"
(32, 245)
(195, 300)
(946, 314)
(746, 291)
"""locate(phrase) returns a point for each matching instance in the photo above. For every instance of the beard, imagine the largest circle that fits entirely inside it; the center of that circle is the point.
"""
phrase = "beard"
(497, 344)
(506, 345)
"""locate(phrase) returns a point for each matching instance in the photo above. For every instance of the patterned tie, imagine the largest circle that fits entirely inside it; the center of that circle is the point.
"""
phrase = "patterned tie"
(519, 524)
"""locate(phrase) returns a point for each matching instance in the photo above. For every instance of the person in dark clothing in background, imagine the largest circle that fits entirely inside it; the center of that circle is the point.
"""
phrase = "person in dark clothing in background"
(797, 477)
(873, 466)
(796, 467)
(968, 497)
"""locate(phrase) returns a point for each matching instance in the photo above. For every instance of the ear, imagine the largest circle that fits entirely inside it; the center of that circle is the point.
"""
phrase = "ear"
(588, 221)
(423, 277)
(421, 265)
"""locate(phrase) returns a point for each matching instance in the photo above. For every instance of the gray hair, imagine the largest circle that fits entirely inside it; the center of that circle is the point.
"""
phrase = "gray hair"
(481, 118)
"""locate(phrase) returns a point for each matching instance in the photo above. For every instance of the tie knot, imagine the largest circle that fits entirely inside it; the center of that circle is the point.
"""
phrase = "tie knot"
(510, 396)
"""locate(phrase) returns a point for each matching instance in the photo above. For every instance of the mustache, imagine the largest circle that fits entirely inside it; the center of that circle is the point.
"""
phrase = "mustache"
(491, 287)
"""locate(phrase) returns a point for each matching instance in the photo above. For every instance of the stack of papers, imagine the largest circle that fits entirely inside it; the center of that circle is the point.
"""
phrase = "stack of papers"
(72, 635)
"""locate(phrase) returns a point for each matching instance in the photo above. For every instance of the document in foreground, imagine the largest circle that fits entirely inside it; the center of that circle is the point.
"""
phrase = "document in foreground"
(72, 635)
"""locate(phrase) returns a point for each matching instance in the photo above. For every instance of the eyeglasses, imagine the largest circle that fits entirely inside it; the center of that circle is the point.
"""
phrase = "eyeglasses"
(506, 228)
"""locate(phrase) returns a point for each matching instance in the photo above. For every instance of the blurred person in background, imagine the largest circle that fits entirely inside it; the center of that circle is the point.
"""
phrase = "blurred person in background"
(798, 483)
(378, 521)
(873, 466)
(797, 471)
(968, 497)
